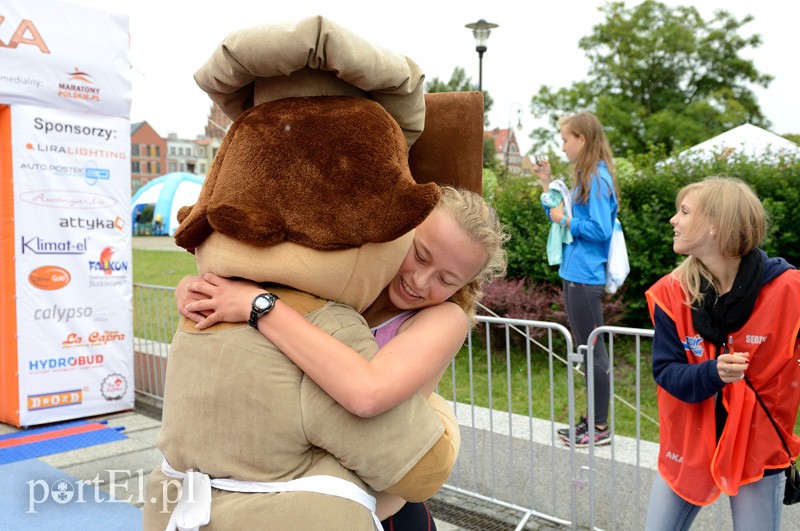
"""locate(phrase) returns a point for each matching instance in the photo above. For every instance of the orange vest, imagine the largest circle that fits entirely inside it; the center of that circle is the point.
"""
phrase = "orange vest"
(690, 460)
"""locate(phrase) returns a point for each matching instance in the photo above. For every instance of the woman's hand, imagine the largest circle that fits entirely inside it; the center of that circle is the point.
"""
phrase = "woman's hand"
(184, 296)
(543, 172)
(220, 299)
(557, 213)
(731, 367)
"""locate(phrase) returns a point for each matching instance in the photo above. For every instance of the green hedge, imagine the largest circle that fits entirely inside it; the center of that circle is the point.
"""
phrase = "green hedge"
(648, 189)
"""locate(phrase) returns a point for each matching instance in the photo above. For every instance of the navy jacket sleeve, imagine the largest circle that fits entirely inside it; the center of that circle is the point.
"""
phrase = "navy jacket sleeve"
(690, 382)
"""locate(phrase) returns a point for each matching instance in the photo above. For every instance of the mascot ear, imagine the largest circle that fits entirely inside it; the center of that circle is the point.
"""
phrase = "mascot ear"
(183, 213)
(450, 150)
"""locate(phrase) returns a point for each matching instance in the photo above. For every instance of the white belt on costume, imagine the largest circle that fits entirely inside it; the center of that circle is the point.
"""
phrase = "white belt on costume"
(194, 506)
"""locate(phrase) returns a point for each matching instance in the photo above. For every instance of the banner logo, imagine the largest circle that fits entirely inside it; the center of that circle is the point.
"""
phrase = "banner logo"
(67, 199)
(93, 340)
(38, 245)
(49, 277)
(92, 223)
(26, 33)
(77, 151)
(57, 399)
(94, 174)
(90, 172)
(114, 386)
(106, 264)
(79, 86)
(65, 364)
(58, 314)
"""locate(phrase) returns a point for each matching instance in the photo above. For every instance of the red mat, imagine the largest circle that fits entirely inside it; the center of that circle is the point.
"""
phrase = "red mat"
(36, 442)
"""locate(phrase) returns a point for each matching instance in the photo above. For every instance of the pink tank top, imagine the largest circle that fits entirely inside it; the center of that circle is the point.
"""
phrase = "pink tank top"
(385, 331)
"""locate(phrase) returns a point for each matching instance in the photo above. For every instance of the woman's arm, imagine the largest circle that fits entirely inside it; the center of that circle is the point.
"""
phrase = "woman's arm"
(690, 382)
(411, 362)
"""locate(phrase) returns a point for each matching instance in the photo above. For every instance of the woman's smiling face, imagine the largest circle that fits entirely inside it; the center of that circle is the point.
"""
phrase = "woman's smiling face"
(441, 260)
(692, 234)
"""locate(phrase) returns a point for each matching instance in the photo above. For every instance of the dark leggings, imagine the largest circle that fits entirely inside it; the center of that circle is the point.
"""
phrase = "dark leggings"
(411, 517)
(583, 303)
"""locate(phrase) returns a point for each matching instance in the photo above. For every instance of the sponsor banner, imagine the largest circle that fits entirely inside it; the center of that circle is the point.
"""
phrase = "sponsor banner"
(60, 55)
(72, 163)
(72, 254)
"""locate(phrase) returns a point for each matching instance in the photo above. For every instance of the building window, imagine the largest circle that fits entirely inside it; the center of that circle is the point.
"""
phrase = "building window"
(135, 150)
(172, 150)
(135, 167)
(158, 168)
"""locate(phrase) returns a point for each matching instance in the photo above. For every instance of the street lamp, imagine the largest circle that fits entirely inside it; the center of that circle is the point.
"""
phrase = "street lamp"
(481, 31)
(516, 109)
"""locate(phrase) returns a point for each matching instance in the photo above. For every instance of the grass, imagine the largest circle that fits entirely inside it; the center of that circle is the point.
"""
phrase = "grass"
(162, 268)
(511, 370)
(158, 268)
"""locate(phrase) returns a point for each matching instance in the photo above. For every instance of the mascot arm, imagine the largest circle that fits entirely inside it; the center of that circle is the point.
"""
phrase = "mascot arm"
(430, 473)
(408, 450)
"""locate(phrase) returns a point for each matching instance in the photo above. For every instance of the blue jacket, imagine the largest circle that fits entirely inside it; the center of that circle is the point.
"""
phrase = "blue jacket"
(591, 226)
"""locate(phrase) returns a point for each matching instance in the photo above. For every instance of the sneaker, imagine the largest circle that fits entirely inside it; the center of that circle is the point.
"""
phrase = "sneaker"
(580, 429)
(601, 438)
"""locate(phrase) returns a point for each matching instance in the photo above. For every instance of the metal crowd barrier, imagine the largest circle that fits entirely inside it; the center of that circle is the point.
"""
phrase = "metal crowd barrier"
(511, 459)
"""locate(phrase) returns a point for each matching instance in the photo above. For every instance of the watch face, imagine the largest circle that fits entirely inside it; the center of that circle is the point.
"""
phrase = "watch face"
(262, 302)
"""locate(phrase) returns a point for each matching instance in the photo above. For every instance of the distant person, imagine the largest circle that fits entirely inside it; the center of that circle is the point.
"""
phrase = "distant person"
(158, 223)
(726, 323)
(583, 261)
(137, 225)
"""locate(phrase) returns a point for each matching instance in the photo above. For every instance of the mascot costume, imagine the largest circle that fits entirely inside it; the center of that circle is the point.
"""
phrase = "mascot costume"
(311, 191)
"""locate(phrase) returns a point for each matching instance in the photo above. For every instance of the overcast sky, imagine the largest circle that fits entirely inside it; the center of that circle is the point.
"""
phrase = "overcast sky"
(535, 44)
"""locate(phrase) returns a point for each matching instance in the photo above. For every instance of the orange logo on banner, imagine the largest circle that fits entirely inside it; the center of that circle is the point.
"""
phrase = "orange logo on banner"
(49, 277)
(26, 33)
(79, 90)
(64, 398)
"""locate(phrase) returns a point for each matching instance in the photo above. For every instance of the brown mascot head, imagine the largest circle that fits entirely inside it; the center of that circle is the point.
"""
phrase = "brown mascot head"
(312, 186)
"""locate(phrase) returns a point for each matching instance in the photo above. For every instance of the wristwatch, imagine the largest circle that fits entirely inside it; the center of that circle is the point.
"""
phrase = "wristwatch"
(262, 304)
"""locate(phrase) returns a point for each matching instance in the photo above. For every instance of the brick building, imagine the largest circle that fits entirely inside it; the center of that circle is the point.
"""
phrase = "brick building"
(148, 155)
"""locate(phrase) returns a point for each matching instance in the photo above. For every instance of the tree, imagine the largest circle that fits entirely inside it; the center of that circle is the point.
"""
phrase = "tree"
(490, 162)
(793, 138)
(459, 82)
(661, 76)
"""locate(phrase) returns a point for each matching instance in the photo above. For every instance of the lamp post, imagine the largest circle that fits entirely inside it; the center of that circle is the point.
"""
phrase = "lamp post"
(481, 31)
(516, 108)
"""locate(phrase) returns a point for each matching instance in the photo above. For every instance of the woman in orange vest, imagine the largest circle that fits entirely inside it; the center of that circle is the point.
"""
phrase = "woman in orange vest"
(726, 319)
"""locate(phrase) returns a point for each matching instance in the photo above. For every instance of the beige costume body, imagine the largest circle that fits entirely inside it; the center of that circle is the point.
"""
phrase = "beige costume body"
(236, 407)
